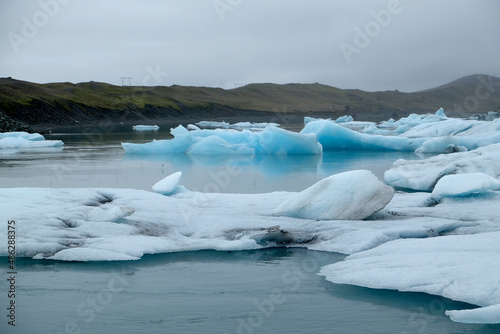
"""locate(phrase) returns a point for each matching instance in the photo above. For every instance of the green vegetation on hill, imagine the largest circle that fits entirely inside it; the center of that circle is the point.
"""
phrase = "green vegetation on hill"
(67, 103)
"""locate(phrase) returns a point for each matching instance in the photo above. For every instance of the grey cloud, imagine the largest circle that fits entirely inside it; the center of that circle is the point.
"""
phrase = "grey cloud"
(427, 43)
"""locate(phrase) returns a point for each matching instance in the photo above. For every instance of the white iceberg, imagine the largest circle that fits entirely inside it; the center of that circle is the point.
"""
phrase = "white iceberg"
(446, 144)
(460, 185)
(459, 267)
(482, 315)
(251, 125)
(213, 125)
(146, 127)
(344, 119)
(352, 195)
(167, 185)
(272, 140)
(73, 224)
(24, 140)
(424, 174)
(22, 134)
(413, 244)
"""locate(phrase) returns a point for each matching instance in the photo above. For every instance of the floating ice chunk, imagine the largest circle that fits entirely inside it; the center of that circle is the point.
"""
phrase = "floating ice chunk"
(440, 113)
(107, 212)
(424, 174)
(213, 125)
(20, 142)
(145, 127)
(491, 115)
(250, 125)
(439, 129)
(459, 267)
(272, 140)
(22, 134)
(481, 315)
(464, 185)
(446, 144)
(351, 195)
(168, 184)
(57, 219)
(312, 119)
(344, 119)
(334, 136)
(192, 127)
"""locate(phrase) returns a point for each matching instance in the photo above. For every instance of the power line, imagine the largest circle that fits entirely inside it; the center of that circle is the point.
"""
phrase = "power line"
(126, 79)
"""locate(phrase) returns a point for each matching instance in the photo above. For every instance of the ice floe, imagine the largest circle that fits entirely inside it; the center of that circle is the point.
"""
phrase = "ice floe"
(459, 267)
(454, 241)
(240, 125)
(424, 174)
(135, 222)
(461, 185)
(24, 140)
(213, 124)
(146, 127)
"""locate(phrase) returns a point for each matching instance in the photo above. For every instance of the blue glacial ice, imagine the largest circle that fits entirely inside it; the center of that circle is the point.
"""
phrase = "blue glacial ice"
(429, 133)
(333, 136)
(272, 140)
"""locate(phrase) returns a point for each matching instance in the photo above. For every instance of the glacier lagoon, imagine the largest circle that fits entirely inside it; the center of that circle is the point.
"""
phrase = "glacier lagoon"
(100, 162)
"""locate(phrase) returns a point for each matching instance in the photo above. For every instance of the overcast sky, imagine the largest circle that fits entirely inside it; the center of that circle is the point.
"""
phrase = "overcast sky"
(370, 45)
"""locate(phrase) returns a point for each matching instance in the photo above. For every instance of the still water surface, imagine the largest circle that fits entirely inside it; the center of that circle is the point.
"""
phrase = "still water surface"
(97, 159)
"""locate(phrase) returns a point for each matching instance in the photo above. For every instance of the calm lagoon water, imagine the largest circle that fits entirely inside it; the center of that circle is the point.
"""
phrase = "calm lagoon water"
(266, 291)
(96, 159)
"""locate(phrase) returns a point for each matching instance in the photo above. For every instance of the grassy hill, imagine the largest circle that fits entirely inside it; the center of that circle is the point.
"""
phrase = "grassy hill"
(53, 104)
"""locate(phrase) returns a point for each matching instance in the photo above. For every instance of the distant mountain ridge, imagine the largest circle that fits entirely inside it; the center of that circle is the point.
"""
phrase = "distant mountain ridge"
(61, 104)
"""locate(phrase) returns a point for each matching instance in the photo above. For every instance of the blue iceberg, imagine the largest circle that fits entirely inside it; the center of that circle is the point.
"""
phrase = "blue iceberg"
(272, 140)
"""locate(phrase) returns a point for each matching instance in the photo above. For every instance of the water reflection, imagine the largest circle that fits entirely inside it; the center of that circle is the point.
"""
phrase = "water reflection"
(269, 165)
